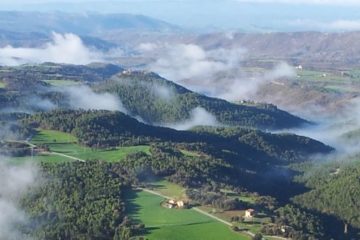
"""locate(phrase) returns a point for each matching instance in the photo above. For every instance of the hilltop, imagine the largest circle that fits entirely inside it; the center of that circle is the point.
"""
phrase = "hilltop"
(160, 101)
(148, 96)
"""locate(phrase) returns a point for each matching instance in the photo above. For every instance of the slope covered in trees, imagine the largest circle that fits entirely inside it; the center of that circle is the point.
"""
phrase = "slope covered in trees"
(78, 201)
(157, 100)
(147, 95)
(335, 193)
(228, 159)
(109, 129)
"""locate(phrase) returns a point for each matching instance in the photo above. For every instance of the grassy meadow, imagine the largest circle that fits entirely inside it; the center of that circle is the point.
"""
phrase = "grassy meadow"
(175, 224)
(65, 143)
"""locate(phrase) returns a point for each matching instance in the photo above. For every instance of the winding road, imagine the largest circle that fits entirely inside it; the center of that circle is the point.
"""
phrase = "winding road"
(50, 152)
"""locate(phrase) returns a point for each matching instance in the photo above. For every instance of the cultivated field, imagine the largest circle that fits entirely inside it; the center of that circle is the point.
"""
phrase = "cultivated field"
(65, 143)
(175, 224)
(169, 189)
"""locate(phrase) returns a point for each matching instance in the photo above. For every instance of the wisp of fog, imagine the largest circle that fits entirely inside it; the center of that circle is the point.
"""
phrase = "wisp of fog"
(64, 48)
(214, 72)
(198, 117)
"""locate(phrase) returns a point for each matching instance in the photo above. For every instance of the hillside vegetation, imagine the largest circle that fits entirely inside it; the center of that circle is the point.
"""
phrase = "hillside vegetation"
(237, 158)
(79, 201)
(335, 191)
(157, 100)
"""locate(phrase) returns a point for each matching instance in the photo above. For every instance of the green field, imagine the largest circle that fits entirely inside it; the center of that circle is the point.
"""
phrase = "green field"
(62, 83)
(338, 82)
(310, 75)
(2, 84)
(175, 224)
(67, 144)
(169, 189)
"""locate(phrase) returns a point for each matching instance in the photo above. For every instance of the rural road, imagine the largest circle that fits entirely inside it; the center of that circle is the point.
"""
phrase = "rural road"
(208, 214)
(212, 216)
(67, 156)
(197, 210)
(50, 152)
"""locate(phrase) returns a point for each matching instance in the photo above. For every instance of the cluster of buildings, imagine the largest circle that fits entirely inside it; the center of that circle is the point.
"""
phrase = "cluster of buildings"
(174, 204)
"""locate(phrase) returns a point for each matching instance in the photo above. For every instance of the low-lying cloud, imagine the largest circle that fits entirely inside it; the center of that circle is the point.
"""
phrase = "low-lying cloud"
(15, 181)
(83, 97)
(341, 130)
(190, 61)
(198, 117)
(64, 48)
(215, 72)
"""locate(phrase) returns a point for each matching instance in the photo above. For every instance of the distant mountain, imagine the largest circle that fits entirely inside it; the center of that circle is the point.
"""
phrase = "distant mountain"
(81, 24)
(310, 49)
(159, 101)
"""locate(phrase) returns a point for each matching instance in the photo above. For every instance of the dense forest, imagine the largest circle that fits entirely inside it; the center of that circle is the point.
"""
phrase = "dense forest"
(91, 195)
(335, 192)
(108, 129)
(296, 223)
(157, 100)
(79, 201)
(146, 95)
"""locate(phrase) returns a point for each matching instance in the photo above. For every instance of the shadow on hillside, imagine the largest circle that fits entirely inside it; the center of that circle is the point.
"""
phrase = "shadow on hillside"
(131, 208)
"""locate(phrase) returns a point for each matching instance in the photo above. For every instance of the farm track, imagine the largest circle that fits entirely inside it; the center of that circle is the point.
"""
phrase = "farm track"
(65, 155)
(51, 152)
(197, 210)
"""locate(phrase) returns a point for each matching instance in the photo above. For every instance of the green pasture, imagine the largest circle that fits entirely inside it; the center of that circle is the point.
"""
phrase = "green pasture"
(175, 224)
(67, 144)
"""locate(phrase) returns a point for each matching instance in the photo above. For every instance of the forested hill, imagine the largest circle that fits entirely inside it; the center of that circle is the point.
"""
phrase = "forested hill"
(157, 100)
(17, 77)
(109, 129)
(335, 191)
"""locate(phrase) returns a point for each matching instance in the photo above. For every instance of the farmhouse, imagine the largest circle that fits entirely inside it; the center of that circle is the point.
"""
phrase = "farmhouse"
(249, 213)
(300, 67)
(126, 72)
(174, 204)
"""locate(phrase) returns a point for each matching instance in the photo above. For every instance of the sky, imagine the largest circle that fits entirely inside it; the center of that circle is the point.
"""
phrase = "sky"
(247, 15)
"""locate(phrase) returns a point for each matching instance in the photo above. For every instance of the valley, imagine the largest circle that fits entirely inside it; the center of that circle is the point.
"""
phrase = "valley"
(222, 170)
(123, 126)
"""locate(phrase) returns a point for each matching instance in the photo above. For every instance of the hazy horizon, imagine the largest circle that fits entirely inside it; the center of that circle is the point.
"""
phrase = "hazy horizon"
(256, 15)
